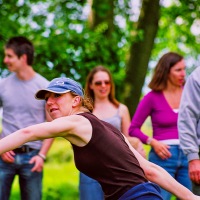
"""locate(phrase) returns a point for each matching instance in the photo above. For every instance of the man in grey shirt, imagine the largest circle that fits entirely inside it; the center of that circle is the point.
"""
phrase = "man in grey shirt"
(20, 109)
(189, 126)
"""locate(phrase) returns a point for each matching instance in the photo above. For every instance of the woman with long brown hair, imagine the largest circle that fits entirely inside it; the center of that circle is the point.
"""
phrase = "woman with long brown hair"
(162, 104)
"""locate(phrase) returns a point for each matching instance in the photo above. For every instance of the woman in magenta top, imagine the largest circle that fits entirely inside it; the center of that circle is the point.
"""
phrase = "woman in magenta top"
(162, 104)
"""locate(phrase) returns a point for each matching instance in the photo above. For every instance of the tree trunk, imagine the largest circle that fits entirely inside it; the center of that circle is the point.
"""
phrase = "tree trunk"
(103, 11)
(140, 52)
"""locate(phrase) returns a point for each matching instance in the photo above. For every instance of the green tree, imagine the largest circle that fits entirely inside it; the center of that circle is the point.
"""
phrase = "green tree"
(140, 52)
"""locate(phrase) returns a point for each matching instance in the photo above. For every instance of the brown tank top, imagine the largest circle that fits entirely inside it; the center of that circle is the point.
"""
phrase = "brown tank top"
(108, 159)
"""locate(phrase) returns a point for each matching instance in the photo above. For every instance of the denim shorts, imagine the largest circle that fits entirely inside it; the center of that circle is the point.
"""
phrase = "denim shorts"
(144, 191)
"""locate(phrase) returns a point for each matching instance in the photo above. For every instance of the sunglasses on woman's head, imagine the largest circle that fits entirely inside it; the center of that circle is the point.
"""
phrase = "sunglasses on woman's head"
(98, 83)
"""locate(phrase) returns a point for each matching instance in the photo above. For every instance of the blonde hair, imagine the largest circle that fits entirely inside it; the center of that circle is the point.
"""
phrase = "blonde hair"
(86, 102)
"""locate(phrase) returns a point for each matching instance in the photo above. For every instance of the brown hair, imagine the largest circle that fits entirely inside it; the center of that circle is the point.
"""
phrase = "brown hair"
(89, 80)
(162, 69)
(21, 45)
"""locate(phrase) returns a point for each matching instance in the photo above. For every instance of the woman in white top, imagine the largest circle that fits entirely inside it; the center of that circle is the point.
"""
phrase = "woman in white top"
(101, 89)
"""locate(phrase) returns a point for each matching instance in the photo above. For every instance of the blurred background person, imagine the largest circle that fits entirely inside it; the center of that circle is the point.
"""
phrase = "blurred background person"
(162, 105)
(189, 126)
(21, 109)
(101, 89)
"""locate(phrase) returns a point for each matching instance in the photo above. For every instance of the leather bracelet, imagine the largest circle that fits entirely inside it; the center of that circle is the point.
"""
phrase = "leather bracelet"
(42, 156)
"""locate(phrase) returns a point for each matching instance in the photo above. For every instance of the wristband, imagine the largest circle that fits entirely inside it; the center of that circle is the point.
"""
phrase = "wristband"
(42, 156)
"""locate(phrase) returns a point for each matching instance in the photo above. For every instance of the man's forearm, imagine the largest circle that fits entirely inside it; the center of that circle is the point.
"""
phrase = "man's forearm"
(46, 146)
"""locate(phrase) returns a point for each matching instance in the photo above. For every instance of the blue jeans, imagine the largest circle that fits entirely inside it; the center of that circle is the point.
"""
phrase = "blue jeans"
(176, 166)
(89, 189)
(30, 182)
(144, 191)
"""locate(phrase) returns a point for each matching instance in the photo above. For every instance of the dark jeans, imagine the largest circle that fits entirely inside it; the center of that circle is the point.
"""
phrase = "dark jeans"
(30, 182)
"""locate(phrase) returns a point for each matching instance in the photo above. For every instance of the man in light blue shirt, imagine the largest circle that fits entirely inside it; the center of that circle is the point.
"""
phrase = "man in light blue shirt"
(20, 109)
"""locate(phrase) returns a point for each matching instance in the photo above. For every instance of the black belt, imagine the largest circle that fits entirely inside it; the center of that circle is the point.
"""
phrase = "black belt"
(23, 149)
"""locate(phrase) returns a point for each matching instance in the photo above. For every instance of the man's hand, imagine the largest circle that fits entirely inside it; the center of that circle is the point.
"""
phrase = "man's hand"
(8, 157)
(194, 171)
(38, 163)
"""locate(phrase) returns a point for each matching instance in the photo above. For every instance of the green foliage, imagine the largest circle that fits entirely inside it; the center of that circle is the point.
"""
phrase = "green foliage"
(62, 154)
(60, 181)
(66, 45)
(175, 32)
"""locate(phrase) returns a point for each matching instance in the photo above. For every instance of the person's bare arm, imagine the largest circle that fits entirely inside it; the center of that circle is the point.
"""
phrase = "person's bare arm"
(47, 142)
(39, 159)
(62, 127)
(126, 120)
(158, 175)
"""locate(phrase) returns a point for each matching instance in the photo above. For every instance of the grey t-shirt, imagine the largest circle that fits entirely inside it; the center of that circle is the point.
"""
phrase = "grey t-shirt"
(20, 108)
(115, 120)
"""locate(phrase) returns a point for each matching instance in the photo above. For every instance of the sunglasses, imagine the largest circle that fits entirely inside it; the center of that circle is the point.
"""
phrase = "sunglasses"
(98, 83)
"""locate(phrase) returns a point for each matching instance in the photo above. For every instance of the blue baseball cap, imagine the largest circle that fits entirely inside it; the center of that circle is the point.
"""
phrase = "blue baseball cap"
(60, 86)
